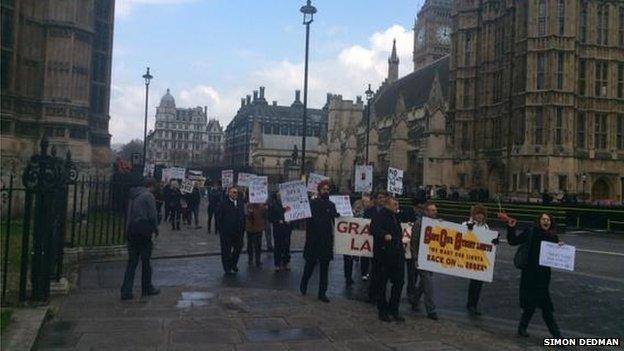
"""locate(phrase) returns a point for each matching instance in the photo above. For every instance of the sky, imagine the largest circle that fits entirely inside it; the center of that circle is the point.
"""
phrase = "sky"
(213, 52)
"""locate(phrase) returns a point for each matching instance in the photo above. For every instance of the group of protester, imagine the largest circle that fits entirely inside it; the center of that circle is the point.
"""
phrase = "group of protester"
(178, 206)
(233, 218)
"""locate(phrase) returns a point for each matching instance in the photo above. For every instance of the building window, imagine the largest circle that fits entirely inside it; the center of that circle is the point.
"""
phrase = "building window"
(581, 77)
(619, 135)
(541, 18)
(466, 97)
(620, 84)
(601, 79)
(561, 16)
(563, 182)
(600, 131)
(560, 67)
(538, 130)
(541, 68)
(464, 136)
(536, 183)
(498, 87)
(514, 182)
(603, 24)
(468, 50)
(583, 24)
(559, 126)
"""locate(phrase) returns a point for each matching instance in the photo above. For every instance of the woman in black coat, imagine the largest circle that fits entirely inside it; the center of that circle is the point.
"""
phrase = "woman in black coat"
(535, 279)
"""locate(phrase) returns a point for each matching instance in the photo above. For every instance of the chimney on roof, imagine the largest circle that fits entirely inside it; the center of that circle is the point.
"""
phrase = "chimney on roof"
(205, 110)
(274, 103)
(255, 95)
(248, 99)
(242, 102)
(358, 99)
(297, 95)
(261, 93)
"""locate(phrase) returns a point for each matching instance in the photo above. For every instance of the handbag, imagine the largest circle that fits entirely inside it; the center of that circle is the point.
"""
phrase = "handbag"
(521, 258)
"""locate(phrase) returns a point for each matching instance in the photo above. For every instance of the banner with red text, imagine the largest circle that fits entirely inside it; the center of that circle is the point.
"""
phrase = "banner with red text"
(352, 237)
(450, 248)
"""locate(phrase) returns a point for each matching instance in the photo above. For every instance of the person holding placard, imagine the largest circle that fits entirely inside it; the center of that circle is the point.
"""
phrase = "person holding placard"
(534, 279)
(390, 255)
(319, 243)
(478, 215)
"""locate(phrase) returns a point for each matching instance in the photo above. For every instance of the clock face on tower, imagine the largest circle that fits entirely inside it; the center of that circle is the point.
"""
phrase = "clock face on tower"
(443, 35)
(420, 37)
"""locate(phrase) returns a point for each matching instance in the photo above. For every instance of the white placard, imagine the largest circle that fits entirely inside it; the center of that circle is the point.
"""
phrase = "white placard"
(259, 190)
(406, 229)
(450, 248)
(177, 172)
(227, 178)
(186, 187)
(352, 237)
(244, 179)
(148, 171)
(343, 205)
(295, 200)
(363, 178)
(314, 180)
(556, 256)
(395, 181)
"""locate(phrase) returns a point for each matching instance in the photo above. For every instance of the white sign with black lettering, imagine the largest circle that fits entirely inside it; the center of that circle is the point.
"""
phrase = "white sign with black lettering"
(395, 181)
(294, 196)
(557, 256)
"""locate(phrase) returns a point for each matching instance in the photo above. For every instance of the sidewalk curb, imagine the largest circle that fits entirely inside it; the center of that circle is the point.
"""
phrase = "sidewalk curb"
(24, 329)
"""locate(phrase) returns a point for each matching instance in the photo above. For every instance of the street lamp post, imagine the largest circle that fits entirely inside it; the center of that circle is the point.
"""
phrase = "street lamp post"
(528, 185)
(147, 76)
(369, 97)
(308, 16)
(584, 180)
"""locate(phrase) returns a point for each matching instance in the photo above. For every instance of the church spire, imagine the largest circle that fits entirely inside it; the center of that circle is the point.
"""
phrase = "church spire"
(393, 64)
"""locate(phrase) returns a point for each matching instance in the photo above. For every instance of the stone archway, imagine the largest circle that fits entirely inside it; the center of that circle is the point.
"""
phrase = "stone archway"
(601, 189)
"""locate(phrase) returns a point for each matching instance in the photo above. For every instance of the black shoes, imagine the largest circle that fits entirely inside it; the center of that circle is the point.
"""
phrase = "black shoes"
(473, 311)
(350, 282)
(235, 269)
(303, 289)
(125, 297)
(398, 318)
(384, 317)
(323, 298)
(151, 292)
(523, 333)
(433, 316)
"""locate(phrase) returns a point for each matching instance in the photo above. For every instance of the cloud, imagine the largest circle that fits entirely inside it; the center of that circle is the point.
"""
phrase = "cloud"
(124, 8)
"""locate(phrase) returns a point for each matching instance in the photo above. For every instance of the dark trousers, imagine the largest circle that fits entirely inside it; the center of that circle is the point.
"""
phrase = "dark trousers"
(308, 269)
(211, 213)
(195, 214)
(174, 217)
(167, 211)
(348, 265)
(254, 241)
(549, 319)
(373, 288)
(412, 276)
(392, 270)
(474, 291)
(138, 249)
(159, 210)
(281, 238)
(231, 245)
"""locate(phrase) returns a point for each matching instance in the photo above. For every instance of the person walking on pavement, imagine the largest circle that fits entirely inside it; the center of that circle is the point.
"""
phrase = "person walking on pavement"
(175, 205)
(158, 195)
(255, 223)
(230, 223)
(535, 279)
(215, 197)
(359, 207)
(478, 215)
(378, 198)
(390, 256)
(194, 202)
(319, 243)
(425, 281)
(281, 234)
(167, 199)
(141, 225)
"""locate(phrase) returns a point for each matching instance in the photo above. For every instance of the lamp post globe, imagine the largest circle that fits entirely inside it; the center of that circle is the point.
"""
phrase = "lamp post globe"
(369, 97)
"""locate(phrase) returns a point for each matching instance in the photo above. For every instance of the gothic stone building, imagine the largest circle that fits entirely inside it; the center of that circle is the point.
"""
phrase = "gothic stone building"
(55, 79)
(263, 136)
(537, 88)
(181, 136)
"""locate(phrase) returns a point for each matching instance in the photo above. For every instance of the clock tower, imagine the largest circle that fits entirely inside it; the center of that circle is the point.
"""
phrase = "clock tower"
(432, 32)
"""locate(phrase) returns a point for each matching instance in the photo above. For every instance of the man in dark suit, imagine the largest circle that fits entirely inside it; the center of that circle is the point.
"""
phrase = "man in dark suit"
(215, 197)
(230, 224)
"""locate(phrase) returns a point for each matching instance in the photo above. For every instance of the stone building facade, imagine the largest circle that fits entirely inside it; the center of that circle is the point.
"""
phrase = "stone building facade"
(537, 96)
(183, 137)
(55, 79)
(432, 32)
(264, 136)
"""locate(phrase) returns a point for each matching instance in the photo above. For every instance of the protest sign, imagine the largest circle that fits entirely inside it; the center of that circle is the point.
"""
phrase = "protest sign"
(244, 179)
(148, 170)
(406, 229)
(177, 172)
(186, 187)
(313, 181)
(197, 176)
(295, 200)
(259, 190)
(555, 256)
(343, 205)
(395, 181)
(227, 178)
(450, 248)
(364, 178)
(352, 237)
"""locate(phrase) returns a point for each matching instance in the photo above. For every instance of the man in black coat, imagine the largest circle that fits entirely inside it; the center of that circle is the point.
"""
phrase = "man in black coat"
(230, 224)
(215, 197)
(379, 198)
(319, 244)
(390, 257)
